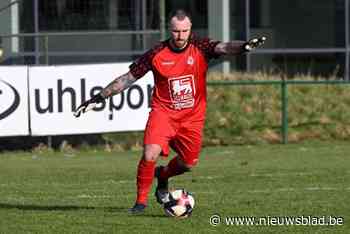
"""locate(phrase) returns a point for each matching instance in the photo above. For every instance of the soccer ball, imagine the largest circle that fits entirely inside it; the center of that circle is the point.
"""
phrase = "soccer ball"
(180, 204)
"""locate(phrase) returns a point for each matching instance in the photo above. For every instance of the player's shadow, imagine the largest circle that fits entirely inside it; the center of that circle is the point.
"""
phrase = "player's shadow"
(59, 208)
(113, 210)
(125, 211)
(154, 215)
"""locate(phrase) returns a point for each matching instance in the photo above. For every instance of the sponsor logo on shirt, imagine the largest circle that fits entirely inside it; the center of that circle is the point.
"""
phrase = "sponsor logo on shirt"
(182, 91)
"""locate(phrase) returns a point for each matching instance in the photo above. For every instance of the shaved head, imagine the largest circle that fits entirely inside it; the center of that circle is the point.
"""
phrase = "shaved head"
(180, 26)
(180, 14)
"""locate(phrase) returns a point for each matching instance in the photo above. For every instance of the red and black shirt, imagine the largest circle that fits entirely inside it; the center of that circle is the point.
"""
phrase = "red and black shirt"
(179, 76)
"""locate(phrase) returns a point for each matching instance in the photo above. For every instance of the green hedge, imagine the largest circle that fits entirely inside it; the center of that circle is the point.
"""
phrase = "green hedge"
(252, 114)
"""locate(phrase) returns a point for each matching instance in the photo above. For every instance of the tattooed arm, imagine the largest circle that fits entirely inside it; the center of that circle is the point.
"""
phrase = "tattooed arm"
(237, 47)
(115, 87)
(230, 48)
(136, 70)
(118, 85)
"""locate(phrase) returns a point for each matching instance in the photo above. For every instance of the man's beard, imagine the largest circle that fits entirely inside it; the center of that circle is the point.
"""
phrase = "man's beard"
(180, 43)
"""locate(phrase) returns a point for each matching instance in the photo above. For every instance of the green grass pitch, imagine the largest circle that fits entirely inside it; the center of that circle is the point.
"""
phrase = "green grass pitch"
(90, 191)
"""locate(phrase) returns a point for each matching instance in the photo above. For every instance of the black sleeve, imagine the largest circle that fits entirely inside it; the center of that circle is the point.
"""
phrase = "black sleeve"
(144, 63)
(207, 46)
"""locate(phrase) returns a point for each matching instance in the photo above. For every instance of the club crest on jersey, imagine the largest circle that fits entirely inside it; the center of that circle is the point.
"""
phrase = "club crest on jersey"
(190, 60)
(182, 91)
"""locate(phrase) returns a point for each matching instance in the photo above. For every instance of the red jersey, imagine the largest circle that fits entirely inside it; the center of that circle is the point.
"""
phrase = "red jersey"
(179, 76)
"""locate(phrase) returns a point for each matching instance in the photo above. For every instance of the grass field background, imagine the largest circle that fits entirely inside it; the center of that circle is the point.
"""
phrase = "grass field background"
(90, 191)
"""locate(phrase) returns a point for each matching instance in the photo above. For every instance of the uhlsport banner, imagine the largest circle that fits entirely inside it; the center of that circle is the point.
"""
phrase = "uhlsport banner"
(56, 91)
(13, 101)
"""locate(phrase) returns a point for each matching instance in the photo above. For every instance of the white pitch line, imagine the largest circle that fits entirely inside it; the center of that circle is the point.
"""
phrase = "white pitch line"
(132, 194)
(280, 190)
(297, 189)
(279, 174)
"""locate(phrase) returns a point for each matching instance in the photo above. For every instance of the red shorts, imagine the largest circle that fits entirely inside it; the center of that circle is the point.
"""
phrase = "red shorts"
(184, 137)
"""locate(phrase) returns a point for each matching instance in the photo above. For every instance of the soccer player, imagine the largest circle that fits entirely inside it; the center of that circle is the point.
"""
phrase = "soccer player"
(177, 116)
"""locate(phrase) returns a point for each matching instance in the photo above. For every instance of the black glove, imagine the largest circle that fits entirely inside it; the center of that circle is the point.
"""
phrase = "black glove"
(253, 43)
(89, 105)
